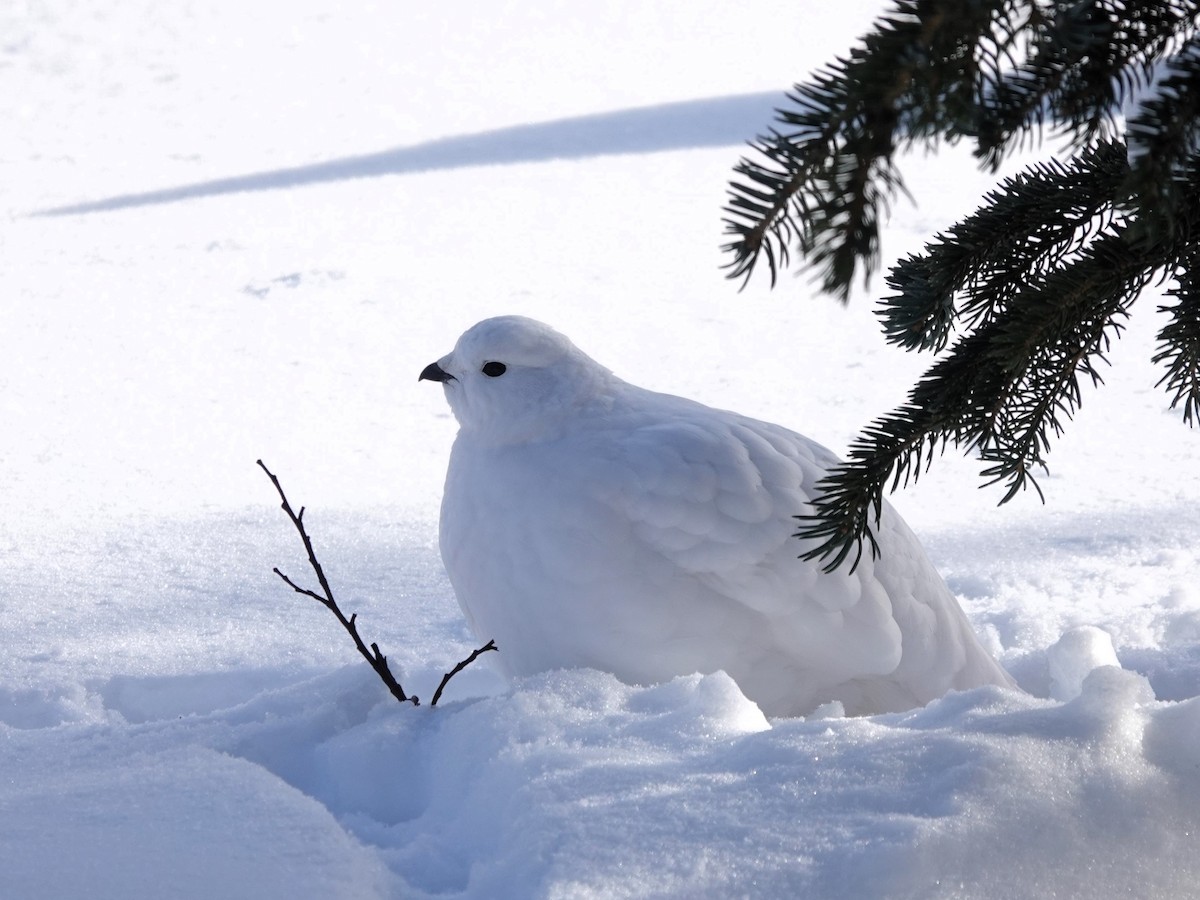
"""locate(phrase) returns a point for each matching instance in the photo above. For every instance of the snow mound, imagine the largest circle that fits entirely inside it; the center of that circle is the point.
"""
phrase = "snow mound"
(576, 785)
(1074, 656)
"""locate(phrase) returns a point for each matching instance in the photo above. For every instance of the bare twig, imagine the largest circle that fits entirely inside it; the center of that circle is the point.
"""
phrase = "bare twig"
(377, 660)
(490, 645)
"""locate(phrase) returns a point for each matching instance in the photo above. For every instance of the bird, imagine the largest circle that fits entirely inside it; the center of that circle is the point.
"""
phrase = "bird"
(587, 522)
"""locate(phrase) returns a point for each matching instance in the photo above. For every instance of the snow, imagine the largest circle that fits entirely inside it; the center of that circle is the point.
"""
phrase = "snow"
(1071, 659)
(314, 202)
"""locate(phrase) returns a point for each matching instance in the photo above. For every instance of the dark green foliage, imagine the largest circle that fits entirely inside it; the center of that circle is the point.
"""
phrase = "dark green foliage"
(1180, 341)
(1022, 298)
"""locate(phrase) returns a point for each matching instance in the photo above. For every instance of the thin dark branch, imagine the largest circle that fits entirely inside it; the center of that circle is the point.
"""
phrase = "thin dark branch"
(299, 590)
(475, 654)
(373, 656)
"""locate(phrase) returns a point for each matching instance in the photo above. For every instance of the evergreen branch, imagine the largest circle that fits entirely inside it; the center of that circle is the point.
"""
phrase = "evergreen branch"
(1005, 388)
(932, 70)
(1039, 280)
(893, 448)
(1179, 340)
(1029, 224)
(1061, 345)
(831, 169)
(1163, 140)
(1015, 103)
(1085, 59)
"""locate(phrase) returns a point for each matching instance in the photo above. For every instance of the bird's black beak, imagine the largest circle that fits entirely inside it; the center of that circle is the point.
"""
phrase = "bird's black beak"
(434, 372)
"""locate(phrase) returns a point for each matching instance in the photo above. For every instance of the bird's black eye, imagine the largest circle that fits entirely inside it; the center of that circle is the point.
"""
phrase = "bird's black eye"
(494, 369)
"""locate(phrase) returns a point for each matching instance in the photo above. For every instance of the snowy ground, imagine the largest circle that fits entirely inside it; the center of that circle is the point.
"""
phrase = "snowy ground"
(270, 218)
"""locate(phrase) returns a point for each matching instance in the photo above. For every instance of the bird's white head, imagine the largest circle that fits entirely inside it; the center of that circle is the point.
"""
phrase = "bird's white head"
(511, 380)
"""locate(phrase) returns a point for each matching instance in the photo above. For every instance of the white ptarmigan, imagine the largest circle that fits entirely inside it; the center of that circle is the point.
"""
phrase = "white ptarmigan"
(590, 522)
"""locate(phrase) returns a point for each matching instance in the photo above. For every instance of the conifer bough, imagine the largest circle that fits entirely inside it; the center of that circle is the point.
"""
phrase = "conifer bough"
(1022, 299)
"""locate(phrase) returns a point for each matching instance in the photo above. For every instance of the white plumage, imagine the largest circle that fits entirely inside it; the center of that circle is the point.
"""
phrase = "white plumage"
(590, 522)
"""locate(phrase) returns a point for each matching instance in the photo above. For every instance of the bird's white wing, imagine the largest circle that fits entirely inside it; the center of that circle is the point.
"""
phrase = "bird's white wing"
(715, 495)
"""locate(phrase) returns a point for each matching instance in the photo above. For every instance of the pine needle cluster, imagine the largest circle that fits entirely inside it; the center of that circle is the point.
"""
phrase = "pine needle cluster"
(1021, 300)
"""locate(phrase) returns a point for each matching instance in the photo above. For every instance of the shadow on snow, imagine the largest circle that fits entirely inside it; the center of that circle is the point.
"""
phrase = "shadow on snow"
(711, 122)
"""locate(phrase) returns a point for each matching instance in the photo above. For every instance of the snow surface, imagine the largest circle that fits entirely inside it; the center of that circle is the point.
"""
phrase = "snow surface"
(293, 209)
